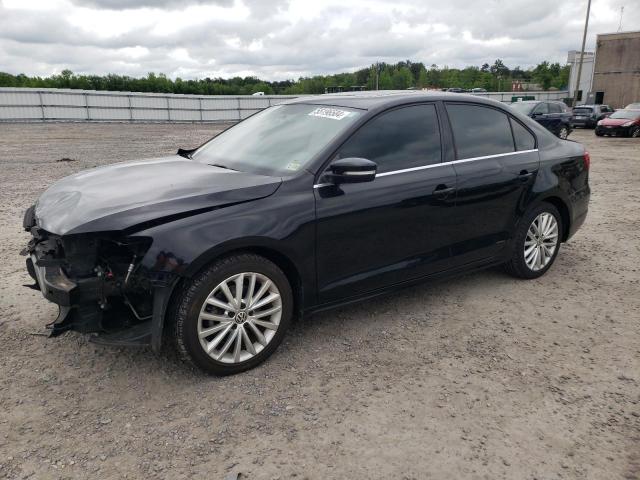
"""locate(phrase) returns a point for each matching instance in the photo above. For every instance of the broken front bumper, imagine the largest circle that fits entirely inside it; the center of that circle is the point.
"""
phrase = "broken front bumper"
(71, 298)
(52, 282)
(98, 286)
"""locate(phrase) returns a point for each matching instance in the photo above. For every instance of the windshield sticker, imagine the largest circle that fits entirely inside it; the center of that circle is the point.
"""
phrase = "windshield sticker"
(293, 165)
(332, 113)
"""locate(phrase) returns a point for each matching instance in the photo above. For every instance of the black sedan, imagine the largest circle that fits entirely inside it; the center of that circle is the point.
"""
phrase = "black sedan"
(304, 206)
(554, 116)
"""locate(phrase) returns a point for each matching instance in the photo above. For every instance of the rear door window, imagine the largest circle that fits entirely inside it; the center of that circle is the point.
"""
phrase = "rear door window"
(479, 131)
(542, 108)
(555, 108)
(402, 138)
(523, 138)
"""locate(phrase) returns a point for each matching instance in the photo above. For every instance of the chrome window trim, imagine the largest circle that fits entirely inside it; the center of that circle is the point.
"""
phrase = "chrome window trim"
(424, 167)
(363, 172)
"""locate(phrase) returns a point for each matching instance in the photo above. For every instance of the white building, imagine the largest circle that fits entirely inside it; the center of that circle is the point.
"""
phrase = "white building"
(586, 77)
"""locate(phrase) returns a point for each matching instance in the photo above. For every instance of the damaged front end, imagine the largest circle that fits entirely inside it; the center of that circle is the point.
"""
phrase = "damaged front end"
(97, 281)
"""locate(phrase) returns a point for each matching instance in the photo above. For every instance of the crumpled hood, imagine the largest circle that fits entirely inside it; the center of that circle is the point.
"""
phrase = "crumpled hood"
(124, 195)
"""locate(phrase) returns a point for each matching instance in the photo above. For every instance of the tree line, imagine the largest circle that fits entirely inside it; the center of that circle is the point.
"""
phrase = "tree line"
(384, 76)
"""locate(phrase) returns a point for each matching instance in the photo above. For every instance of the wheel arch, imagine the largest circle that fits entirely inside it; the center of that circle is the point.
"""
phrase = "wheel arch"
(565, 215)
(268, 251)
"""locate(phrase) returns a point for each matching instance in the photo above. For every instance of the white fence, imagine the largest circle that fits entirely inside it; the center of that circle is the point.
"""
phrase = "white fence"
(33, 105)
(26, 104)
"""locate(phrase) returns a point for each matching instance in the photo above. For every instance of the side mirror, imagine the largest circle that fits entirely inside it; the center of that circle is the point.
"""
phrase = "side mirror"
(352, 170)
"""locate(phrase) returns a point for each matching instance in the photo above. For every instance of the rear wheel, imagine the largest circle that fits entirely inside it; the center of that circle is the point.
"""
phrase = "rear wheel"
(563, 133)
(536, 242)
(233, 315)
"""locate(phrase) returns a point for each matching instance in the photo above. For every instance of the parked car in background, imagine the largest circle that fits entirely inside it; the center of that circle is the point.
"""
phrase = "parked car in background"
(456, 90)
(307, 205)
(554, 116)
(478, 90)
(633, 106)
(624, 123)
(588, 116)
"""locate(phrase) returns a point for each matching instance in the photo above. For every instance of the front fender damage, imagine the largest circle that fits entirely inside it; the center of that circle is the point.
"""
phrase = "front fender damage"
(100, 285)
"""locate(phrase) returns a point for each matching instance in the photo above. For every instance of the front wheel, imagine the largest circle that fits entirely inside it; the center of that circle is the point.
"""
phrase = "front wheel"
(233, 315)
(536, 242)
(635, 132)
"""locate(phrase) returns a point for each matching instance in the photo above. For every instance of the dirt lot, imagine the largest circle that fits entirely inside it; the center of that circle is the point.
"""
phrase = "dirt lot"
(482, 377)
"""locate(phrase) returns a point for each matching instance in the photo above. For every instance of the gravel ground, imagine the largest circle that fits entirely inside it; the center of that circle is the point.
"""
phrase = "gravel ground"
(481, 377)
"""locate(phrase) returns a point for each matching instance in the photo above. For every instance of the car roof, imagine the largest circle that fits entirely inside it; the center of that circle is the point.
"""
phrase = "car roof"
(382, 98)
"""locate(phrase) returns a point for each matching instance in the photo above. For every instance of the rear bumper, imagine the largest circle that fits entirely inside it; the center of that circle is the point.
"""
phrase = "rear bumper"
(579, 210)
(583, 122)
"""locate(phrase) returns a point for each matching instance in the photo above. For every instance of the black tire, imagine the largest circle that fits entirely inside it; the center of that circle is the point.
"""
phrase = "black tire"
(193, 295)
(599, 133)
(517, 265)
(634, 132)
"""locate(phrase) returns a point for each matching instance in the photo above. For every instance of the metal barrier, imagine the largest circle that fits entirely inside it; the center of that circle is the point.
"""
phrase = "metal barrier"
(26, 104)
(51, 104)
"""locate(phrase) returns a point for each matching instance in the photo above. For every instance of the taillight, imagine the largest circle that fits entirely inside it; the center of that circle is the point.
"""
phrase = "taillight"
(587, 160)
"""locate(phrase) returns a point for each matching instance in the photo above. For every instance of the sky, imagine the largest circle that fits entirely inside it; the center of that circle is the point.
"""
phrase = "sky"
(286, 39)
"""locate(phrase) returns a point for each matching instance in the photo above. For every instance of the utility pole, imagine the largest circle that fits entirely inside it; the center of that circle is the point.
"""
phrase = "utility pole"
(621, 14)
(584, 40)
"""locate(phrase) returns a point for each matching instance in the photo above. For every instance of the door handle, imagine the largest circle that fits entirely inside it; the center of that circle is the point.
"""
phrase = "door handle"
(525, 175)
(443, 191)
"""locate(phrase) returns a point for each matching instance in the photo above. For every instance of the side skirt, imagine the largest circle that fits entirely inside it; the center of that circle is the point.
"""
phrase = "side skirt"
(452, 273)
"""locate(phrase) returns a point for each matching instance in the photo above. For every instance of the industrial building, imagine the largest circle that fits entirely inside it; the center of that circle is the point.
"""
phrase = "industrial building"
(616, 75)
(586, 76)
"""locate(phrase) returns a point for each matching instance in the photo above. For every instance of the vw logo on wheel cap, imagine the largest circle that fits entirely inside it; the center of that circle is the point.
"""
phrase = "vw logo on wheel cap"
(241, 316)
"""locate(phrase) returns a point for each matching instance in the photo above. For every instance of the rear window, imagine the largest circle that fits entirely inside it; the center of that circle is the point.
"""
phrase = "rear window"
(479, 131)
(583, 111)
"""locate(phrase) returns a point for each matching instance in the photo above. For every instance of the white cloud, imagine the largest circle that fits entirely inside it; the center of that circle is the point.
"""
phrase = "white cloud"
(278, 39)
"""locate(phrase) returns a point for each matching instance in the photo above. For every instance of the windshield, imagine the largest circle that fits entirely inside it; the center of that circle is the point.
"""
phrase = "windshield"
(630, 114)
(523, 107)
(279, 140)
(583, 110)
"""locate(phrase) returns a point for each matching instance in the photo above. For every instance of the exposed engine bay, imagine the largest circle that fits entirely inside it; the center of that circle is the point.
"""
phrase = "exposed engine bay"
(94, 278)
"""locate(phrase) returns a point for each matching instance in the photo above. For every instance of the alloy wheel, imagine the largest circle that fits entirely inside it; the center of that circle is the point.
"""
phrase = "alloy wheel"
(564, 133)
(239, 317)
(541, 241)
